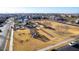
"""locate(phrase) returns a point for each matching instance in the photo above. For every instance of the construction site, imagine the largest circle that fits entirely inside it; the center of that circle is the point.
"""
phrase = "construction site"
(36, 33)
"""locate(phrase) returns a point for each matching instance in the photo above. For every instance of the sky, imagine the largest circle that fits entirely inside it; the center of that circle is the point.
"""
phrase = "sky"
(39, 10)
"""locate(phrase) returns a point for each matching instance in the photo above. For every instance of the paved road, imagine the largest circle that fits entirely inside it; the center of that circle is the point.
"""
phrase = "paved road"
(3, 35)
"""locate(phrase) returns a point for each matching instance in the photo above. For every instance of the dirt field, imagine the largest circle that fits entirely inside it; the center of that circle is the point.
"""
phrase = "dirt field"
(23, 40)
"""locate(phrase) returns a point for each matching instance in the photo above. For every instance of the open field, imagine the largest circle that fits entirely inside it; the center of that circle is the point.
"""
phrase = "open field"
(23, 40)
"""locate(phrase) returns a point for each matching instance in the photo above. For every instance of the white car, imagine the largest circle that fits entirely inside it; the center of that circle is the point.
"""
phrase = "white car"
(72, 43)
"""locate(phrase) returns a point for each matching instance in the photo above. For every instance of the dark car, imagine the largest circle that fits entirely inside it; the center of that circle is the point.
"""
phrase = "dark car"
(76, 45)
(0, 30)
